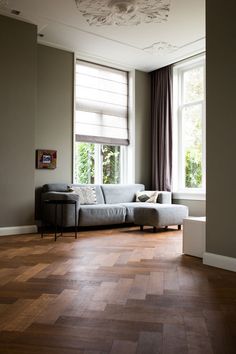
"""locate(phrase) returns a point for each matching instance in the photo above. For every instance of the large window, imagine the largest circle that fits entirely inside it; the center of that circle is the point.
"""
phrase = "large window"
(101, 124)
(189, 126)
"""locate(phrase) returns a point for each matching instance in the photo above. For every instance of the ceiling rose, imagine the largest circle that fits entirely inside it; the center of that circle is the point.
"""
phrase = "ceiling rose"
(123, 12)
(3, 3)
(161, 48)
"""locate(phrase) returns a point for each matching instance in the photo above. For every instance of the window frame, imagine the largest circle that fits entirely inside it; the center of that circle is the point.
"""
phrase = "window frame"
(126, 151)
(178, 185)
(98, 163)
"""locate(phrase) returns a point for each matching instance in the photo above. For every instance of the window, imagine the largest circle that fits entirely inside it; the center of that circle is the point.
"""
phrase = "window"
(97, 162)
(189, 126)
(101, 124)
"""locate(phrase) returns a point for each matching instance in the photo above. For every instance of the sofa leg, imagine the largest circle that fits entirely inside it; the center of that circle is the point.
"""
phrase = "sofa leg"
(154, 229)
(179, 227)
(141, 227)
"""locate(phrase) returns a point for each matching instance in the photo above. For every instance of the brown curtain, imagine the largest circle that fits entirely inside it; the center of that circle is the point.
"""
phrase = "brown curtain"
(161, 110)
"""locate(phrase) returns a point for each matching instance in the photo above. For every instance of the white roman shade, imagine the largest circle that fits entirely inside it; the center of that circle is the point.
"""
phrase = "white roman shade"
(101, 104)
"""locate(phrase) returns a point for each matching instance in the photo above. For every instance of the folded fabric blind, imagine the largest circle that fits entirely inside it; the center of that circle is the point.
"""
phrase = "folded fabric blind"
(101, 104)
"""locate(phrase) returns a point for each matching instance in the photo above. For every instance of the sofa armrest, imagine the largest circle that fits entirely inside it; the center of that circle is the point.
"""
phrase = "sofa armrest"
(60, 196)
(164, 197)
(68, 209)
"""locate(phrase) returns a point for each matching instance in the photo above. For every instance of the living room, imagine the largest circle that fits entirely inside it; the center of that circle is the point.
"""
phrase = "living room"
(37, 112)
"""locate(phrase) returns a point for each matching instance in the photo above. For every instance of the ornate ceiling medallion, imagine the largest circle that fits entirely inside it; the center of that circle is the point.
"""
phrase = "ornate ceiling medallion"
(123, 12)
(3, 3)
(161, 48)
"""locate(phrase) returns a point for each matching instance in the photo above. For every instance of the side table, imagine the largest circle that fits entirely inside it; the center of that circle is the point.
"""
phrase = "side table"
(194, 236)
(62, 203)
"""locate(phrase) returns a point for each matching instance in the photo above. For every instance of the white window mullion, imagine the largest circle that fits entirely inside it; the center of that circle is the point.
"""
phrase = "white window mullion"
(180, 151)
(204, 145)
(98, 164)
(181, 147)
(122, 165)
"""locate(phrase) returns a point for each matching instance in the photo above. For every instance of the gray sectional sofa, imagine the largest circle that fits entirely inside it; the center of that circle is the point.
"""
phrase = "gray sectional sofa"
(115, 205)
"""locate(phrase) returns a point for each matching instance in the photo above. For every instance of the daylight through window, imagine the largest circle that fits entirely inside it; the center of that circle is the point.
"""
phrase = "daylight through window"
(189, 126)
(101, 124)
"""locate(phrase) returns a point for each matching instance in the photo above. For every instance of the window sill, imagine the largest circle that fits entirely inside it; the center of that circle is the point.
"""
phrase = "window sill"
(189, 195)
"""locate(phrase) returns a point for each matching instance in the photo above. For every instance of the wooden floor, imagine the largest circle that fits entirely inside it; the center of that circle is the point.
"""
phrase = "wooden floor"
(119, 291)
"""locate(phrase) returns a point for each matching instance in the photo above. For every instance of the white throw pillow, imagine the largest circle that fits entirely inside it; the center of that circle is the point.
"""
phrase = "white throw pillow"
(147, 196)
(87, 195)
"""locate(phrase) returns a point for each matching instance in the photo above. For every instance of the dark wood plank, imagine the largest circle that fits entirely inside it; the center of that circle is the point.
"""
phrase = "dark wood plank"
(112, 291)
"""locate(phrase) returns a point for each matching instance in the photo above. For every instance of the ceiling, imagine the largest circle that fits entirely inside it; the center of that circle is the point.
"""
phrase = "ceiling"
(140, 34)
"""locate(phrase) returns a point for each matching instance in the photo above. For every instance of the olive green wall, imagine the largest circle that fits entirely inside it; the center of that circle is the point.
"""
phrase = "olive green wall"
(221, 128)
(54, 119)
(142, 128)
(17, 116)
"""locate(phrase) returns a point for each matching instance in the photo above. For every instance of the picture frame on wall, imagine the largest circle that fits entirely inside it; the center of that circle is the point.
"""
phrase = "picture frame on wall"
(46, 159)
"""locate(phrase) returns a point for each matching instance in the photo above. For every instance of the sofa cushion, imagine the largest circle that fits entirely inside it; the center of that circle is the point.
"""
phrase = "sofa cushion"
(160, 215)
(121, 193)
(101, 214)
(130, 207)
(99, 193)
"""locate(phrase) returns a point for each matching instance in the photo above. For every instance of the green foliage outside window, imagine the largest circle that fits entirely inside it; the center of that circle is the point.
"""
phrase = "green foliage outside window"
(85, 163)
(193, 169)
(111, 164)
(192, 114)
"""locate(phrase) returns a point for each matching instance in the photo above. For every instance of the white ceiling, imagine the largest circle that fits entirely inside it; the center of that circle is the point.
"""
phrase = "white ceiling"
(127, 47)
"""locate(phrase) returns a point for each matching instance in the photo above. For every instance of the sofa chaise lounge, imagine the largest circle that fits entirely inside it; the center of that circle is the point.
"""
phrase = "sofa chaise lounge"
(115, 204)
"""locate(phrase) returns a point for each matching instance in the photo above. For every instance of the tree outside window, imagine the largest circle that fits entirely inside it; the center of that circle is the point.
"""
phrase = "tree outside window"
(97, 159)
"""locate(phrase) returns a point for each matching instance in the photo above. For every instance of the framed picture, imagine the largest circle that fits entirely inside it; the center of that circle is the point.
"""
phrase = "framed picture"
(46, 159)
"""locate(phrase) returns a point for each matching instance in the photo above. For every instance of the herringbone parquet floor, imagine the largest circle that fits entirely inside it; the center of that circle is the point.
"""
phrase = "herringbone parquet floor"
(117, 291)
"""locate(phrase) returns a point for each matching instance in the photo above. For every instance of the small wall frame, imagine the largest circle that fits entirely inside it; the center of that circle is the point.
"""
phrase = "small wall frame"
(46, 159)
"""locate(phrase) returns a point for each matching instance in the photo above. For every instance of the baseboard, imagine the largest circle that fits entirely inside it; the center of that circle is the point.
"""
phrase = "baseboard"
(216, 260)
(18, 230)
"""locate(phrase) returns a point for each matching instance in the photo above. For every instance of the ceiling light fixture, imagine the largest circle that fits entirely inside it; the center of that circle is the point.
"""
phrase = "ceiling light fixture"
(123, 12)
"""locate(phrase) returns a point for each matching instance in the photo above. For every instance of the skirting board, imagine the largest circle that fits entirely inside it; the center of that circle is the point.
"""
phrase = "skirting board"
(18, 230)
(216, 260)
